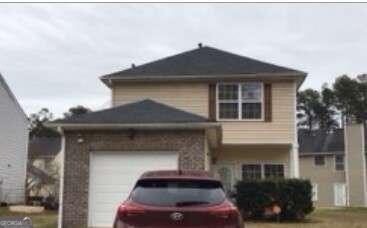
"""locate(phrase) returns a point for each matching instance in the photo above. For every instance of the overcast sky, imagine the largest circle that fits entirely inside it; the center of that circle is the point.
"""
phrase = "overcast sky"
(52, 54)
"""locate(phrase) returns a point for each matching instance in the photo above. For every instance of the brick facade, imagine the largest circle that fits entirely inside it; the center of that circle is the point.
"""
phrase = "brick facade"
(189, 144)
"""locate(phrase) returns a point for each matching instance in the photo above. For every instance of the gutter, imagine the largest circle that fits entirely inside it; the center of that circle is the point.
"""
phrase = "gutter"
(61, 184)
(108, 79)
(145, 126)
(321, 153)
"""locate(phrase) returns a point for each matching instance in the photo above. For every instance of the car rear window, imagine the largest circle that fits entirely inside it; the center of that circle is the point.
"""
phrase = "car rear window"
(179, 193)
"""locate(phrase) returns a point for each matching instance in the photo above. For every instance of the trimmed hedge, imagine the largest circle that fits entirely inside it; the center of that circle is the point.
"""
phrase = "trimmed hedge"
(293, 196)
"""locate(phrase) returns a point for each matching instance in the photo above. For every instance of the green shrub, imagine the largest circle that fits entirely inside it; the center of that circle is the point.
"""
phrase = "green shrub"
(293, 196)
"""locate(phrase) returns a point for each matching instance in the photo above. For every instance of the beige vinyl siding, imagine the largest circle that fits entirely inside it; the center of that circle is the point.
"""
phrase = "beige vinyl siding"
(356, 164)
(192, 97)
(236, 156)
(324, 176)
(279, 130)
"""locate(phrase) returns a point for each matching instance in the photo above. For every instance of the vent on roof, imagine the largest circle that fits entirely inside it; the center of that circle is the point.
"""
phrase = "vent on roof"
(133, 65)
(200, 45)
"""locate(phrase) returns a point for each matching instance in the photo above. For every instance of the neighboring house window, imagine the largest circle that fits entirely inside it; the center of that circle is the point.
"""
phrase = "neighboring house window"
(241, 101)
(319, 160)
(339, 162)
(251, 172)
(314, 192)
(274, 171)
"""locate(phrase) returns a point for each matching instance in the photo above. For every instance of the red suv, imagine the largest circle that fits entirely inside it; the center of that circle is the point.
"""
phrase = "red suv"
(163, 199)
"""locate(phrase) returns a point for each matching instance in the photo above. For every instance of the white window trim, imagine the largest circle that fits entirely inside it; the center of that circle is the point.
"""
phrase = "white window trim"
(262, 165)
(315, 189)
(335, 163)
(239, 102)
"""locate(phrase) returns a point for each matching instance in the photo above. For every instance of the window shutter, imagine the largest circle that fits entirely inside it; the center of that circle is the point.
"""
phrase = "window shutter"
(212, 102)
(268, 102)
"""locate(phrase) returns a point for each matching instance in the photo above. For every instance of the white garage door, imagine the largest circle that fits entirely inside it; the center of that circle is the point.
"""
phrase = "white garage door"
(112, 176)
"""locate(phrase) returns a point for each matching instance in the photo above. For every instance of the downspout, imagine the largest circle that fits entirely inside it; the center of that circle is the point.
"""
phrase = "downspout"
(61, 187)
(295, 146)
(346, 166)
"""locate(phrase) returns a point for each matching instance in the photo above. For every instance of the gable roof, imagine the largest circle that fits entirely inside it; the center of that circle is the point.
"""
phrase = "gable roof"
(142, 112)
(320, 141)
(44, 146)
(11, 95)
(203, 61)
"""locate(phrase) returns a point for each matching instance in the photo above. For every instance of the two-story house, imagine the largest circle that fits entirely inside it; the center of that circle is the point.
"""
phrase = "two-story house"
(13, 147)
(204, 109)
(335, 163)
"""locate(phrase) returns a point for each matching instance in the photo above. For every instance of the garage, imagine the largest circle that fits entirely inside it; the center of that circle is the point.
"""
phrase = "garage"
(104, 152)
(112, 176)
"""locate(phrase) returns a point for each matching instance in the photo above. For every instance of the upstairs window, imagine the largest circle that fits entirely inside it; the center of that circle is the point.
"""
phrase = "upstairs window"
(240, 101)
(251, 94)
(228, 101)
(319, 160)
(339, 162)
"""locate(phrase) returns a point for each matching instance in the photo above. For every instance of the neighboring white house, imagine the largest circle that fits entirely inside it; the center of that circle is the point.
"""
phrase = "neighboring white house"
(13, 147)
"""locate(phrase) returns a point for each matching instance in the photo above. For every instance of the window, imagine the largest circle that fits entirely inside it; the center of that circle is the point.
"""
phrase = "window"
(178, 192)
(274, 171)
(339, 162)
(319, 160)
(228, 101)
(251, 172)
(251, 100)
(240, 100)
(314, 192)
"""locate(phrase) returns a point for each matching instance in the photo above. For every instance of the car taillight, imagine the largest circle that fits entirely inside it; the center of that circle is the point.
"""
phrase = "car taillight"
(125, 211)
(226, 212)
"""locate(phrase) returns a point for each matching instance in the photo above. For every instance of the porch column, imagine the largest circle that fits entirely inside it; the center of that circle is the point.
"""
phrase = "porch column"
(293, 161)
(293, 153)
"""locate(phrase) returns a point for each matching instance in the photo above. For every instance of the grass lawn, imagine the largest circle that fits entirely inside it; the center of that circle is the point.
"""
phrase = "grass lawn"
(47, 219)
(323, 218)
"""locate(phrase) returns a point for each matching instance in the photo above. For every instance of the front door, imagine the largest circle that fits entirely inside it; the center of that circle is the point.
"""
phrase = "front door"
(225, 173)
(340, 193)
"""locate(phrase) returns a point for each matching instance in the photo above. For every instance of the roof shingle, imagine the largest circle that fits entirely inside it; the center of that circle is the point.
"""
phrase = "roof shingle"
(202, 61)
(142, 112)
(320, 141)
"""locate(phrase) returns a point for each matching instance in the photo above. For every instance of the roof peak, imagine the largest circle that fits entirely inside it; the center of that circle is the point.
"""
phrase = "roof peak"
(4, 84)
(202, 61)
